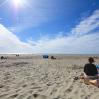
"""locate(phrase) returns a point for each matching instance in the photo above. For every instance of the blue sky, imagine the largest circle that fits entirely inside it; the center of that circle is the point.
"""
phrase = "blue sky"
(49, 26)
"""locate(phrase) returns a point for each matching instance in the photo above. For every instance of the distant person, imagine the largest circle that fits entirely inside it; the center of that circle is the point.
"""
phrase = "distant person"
(90, 74)
(17, 54)
(2, 57)
(52, 57)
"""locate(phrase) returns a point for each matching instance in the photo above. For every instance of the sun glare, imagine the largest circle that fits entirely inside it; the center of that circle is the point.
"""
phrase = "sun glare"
(17, 3)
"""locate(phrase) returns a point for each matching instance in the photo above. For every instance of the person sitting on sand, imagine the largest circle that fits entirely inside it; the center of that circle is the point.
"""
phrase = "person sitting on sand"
(90, 74)
(52, 57)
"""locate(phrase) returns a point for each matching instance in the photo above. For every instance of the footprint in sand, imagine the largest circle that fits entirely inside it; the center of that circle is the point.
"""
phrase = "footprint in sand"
(1, 86)
(38, 96)
(25, 85)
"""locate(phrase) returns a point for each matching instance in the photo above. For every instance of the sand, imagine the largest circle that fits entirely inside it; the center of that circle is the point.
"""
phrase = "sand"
(31, 77)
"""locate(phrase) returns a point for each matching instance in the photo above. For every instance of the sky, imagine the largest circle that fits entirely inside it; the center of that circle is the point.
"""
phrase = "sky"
(49, 26)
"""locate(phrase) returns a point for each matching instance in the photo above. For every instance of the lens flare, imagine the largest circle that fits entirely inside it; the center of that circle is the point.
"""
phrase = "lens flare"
(17, 3)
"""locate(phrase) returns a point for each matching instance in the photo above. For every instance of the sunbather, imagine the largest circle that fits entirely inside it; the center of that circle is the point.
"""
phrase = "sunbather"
(90, 74)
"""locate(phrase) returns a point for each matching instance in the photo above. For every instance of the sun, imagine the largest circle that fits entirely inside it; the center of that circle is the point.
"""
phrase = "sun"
(17, 3)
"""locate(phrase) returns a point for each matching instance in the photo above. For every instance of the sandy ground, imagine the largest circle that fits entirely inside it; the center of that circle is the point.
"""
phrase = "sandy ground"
(31, 77)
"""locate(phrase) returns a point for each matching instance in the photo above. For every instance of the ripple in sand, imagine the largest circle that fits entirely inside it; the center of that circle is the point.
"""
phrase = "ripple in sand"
(38, 96)
(12, 96)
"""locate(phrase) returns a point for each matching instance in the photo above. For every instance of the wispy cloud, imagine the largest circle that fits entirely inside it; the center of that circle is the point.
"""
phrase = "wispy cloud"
(81, 39)
(10, 43)
(87, 25)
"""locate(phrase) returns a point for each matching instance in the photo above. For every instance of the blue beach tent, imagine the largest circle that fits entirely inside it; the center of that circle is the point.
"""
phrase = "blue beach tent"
(45, 56)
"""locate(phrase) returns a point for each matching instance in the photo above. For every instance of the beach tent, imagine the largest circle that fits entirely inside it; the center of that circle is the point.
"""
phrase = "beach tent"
(45, 56)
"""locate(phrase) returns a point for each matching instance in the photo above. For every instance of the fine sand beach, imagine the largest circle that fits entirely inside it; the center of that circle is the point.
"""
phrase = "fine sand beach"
(32, 77)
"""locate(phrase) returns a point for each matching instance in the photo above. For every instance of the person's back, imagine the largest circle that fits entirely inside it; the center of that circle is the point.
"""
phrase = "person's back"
(90, 69)
(90, 74)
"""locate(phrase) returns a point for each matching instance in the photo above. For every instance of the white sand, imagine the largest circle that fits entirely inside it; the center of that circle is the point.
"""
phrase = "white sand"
(31, 77)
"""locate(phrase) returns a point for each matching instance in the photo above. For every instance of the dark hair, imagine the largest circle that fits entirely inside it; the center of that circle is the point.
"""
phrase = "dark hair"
(91, 60)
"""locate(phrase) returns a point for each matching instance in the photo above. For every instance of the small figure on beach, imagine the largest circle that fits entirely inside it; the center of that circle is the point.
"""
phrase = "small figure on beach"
(2, 57)
(90, 74)
(17, 55)
(52, 57)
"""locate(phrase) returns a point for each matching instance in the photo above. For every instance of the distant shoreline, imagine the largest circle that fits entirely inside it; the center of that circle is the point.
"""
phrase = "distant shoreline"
(81, 55)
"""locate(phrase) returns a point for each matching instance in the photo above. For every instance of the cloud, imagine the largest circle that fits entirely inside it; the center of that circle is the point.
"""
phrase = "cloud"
(82, 39)
(84, 44)
(87, 25)
(10, 43)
